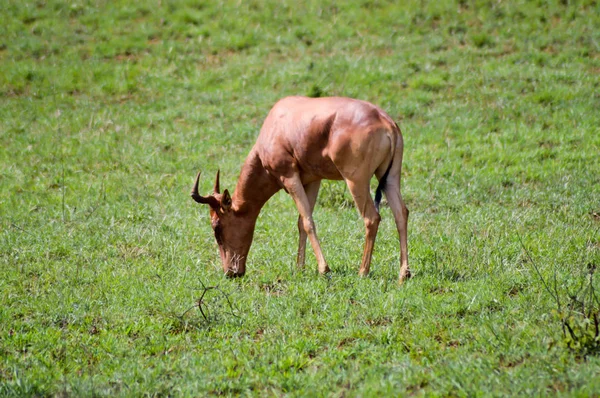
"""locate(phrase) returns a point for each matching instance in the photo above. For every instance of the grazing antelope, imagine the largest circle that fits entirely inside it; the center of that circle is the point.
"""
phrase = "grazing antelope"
(303, 141)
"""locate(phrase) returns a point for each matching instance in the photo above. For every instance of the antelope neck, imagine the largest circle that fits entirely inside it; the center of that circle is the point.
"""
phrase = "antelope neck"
(254, 187)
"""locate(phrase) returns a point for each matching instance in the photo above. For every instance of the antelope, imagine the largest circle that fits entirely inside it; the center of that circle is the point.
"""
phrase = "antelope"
(303, 141)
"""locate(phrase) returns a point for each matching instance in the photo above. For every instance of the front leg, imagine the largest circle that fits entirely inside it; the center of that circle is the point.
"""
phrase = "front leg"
(312, 191)
(294, 187)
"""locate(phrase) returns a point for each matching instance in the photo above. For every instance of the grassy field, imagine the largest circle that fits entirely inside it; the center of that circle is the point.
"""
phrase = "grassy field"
(109, 108)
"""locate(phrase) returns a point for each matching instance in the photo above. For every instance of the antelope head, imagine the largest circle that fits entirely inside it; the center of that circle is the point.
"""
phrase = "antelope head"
(232, 230)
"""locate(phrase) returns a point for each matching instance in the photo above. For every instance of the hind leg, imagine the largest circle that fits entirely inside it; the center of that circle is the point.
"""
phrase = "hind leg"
(400, 212)
(366, 208)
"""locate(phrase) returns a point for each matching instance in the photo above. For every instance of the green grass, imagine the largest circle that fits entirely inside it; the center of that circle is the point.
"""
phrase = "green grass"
(108, 109)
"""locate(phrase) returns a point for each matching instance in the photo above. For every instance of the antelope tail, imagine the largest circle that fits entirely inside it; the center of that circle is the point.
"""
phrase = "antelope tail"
(381, 187)
(383, 181)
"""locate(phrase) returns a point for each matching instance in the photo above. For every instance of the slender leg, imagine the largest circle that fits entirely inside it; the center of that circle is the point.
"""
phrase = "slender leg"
(294, 186)
(312, 191)
(401, 217)
(366, 207)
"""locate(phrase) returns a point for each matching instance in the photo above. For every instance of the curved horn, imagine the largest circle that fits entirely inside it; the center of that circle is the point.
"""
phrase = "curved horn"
(210, 200)
(217, 188)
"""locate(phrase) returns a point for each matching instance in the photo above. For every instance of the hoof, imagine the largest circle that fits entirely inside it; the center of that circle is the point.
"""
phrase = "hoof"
(324, 271)
(404, 276)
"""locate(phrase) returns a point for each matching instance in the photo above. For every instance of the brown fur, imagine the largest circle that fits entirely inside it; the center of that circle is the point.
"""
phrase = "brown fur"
(303, 141)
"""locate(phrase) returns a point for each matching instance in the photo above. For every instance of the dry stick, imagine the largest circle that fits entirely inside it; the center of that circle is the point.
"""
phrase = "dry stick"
(535, 267)
(554, 294)
(100, 202)
(200, 301)
(62, 163)
(593, 294)
(556, 297)
(197, 304)
(591, 307)
(231, 307)
(593, 298)
(574, 296)
(20, 229)
(571, 332)
(62, 154)
(592, 271)
(228, 302)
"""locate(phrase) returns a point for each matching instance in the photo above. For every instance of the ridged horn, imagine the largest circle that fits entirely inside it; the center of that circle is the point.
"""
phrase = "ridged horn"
(217, 188)
(209, 200)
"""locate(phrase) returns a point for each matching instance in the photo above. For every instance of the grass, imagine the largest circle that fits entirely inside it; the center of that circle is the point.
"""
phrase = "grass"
(108, 109)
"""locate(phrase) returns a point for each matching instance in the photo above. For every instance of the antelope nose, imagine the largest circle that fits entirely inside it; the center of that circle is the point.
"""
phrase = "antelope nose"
(229, 273)
(233, 273)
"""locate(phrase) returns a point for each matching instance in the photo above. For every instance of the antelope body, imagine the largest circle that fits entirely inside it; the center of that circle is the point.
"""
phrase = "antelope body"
(303, 141)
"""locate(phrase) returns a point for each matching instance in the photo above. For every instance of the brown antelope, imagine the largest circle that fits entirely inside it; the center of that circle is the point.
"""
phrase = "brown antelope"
(303, 141)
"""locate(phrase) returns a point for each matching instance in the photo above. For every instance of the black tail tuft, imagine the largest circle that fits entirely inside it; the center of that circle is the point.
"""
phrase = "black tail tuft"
(381, 187)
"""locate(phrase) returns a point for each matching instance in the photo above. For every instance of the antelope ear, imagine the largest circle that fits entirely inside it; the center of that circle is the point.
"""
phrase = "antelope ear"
(226, 201)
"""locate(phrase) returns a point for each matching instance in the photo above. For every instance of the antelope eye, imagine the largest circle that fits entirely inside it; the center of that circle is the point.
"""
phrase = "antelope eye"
(218, 233)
